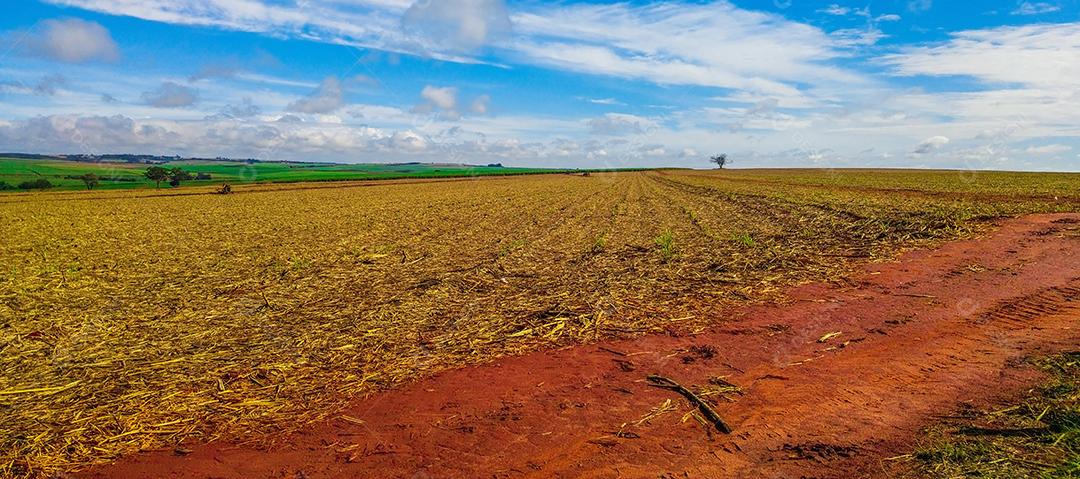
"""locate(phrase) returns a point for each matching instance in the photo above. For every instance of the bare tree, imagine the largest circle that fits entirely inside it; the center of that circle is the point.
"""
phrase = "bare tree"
(720, 160)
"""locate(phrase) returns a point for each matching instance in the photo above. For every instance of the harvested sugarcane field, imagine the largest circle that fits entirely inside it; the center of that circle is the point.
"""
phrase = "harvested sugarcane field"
(146, 334)
(460, 239)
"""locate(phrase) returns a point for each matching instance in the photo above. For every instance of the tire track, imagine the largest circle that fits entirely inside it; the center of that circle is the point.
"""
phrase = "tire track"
(1020, 311)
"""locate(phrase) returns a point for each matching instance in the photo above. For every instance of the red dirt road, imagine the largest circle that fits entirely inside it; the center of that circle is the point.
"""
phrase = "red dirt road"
(920, 337)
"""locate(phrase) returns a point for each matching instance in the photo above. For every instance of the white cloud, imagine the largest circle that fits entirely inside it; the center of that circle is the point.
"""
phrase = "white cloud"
(72, 41)
(480, 105)
(170, 95)
(442, 97)
(788, 96)
(215, 71)
(919, 6)
(605, 101)
(290, 137)
(657, 42)
(327, 98)
(15, 88)
(931, 144)
(245, 109)
(859, 37)
(49, 84)
(270, 80)
(409, 141)
(440, 100)
(461, 24)
(363, 80)
(1042, 55)
(1035, 8)
(1051, 149)
(223, 137)
(661, 43)
(621, 124)
(76, 132)
(890, 17)
(835, 9)
(1030, 77)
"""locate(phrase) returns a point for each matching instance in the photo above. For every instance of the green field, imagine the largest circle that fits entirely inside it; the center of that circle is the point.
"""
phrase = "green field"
(1036, 437)
(118, 175)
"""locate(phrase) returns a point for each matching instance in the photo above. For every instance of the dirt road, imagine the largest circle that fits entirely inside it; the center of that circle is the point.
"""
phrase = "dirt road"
(918, 337)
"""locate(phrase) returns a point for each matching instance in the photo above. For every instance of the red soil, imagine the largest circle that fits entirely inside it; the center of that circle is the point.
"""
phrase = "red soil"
(920, 337)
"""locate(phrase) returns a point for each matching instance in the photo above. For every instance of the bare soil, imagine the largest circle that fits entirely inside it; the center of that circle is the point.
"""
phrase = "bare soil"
(920, 337)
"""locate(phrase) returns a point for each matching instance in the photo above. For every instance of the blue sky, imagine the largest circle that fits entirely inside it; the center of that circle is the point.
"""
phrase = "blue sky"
(884, 83)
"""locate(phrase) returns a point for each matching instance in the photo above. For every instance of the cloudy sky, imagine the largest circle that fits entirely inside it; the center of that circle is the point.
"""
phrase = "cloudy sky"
(991, 84)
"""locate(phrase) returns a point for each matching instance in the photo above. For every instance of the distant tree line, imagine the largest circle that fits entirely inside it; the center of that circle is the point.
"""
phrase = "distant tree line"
(112, 179)
(38, 184)
(174, 176)
(157, 174)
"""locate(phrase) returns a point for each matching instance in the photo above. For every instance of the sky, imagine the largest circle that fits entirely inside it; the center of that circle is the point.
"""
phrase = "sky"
(993, 84)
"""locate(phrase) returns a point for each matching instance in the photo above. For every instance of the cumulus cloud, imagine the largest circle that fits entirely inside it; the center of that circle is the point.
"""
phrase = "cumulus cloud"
(313, 140)
(245, 109)
(219, 138)
(459, 24)
(328, 98)
(289, 119)
(931, 144)
(621, 124)
(409, 141)
(170, 95)
(75, 133)
(689, 153)
(72, 41)
(444, 97)
(441, 100)
(480, 105)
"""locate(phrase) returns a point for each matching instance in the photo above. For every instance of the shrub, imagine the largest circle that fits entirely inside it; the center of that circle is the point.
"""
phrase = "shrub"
(666, 242)
(599, 244)
(744, 238)
(176, 175)
(38, 184)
